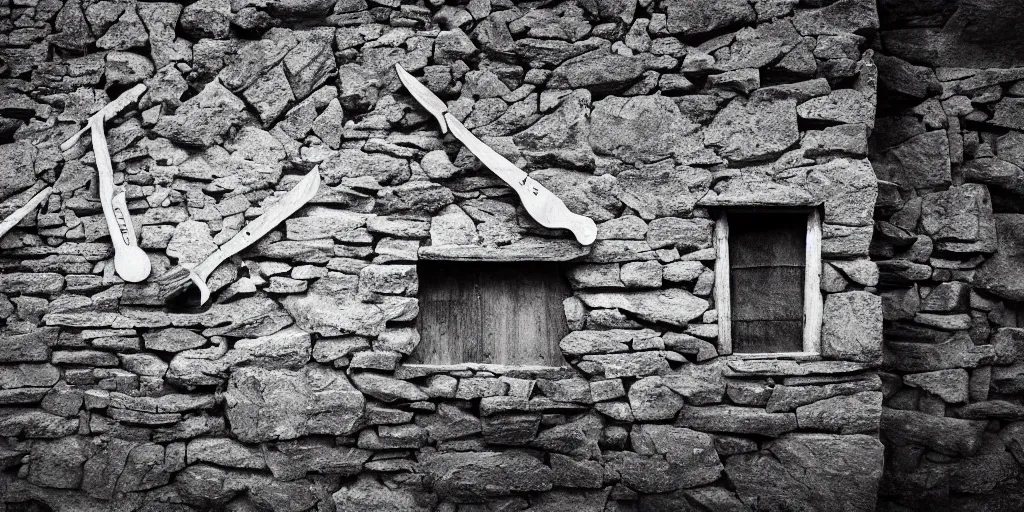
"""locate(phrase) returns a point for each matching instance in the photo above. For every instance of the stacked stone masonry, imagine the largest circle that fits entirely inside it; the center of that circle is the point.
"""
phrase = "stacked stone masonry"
(948, 146)
(290, 391)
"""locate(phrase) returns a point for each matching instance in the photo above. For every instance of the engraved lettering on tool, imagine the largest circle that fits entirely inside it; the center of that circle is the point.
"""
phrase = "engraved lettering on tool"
(530, 188)
(122, 224)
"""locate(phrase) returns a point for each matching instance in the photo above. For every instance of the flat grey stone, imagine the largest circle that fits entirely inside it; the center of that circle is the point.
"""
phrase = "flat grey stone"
(471, 477)
(673, 305)
(852, 327)
(845, 414)
(808, 471)
(736, 420)
(750, 131)
(265, 405)
(951, 436)
(1003, 273)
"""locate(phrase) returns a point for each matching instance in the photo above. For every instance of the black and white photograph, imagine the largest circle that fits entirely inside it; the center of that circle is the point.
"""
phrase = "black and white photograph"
(511, 256)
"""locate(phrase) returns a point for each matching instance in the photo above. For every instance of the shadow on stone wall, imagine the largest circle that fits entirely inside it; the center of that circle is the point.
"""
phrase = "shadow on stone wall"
(949, 242)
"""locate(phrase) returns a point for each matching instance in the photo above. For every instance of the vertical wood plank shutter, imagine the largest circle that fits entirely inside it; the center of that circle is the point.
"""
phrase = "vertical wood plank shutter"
(500, 313)
(767, 267)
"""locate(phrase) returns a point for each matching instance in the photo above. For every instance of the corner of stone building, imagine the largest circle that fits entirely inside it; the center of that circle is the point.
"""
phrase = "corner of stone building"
(947, 236)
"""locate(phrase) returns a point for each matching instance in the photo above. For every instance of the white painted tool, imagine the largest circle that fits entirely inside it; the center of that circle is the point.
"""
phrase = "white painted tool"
(546, 208)
(177, 279)
(22, 212)
(130, 261)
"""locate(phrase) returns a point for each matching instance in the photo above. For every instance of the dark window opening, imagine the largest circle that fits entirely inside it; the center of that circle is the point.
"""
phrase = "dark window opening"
(766, 272)
(499, 313)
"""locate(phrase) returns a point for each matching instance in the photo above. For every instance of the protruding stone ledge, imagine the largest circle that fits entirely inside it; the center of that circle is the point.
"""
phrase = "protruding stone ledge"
(769, 368)
(413, 371)
(527, 249)
(750, 194)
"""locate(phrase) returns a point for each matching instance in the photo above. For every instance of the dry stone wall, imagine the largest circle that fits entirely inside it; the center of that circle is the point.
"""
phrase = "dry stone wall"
(289, 391)
(948, 144)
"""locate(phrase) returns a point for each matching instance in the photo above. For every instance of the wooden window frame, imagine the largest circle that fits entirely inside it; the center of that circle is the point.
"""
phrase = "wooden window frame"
(813, 302)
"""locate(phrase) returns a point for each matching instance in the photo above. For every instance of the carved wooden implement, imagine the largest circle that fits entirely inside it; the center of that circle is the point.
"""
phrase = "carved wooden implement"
(177, 279)
(20, 213)
(130, 261)
(545, 207)
(107, 113)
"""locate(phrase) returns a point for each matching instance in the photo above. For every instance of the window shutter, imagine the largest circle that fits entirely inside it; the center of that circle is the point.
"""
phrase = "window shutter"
(499, 313)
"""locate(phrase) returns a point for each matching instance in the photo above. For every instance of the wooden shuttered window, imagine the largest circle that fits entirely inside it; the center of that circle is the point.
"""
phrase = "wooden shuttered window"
(767, 265)
(499, 313)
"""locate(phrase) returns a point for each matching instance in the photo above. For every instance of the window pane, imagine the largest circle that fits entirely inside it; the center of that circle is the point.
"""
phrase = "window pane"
(502, 313)
(766, 257)
(762, 298)
(767, 239)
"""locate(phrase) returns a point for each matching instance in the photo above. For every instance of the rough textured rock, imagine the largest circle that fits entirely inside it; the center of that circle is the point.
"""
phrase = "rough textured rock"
(957, 351)
(662, 190)
(334, 314)
(852, 328)
(751, 131)
(369, 494)
(739, 420)
(960, 219)
(674, 305)
(561, 138)
(949, 385)
(697, 384)
(265, 405)
(623, 127)
(651, 399)
(600, 73)
(21, 155)
(173, 340)
(843, 414)
(207, 18)
(919, 162)
(1001, 274)
(787, 398)
(690, 454)
(387, 389)
(848, 189)
(471, 477)
(689, 17)
(842, 106)
(951, 436)
(798, 470)
(204, 119)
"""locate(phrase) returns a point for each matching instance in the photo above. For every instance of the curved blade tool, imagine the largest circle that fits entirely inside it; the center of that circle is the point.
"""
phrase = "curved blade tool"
(545, 207)
(177, 279)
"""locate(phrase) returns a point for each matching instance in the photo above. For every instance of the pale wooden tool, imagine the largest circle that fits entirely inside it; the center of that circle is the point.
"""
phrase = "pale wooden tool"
(130, 261)
(20, 213)
(107, 113)
(177, 279)
(545, 207)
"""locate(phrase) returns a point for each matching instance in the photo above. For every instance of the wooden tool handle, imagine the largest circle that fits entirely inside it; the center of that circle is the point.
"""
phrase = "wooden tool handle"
(22, 212)
(130, 261)
(107, 112)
